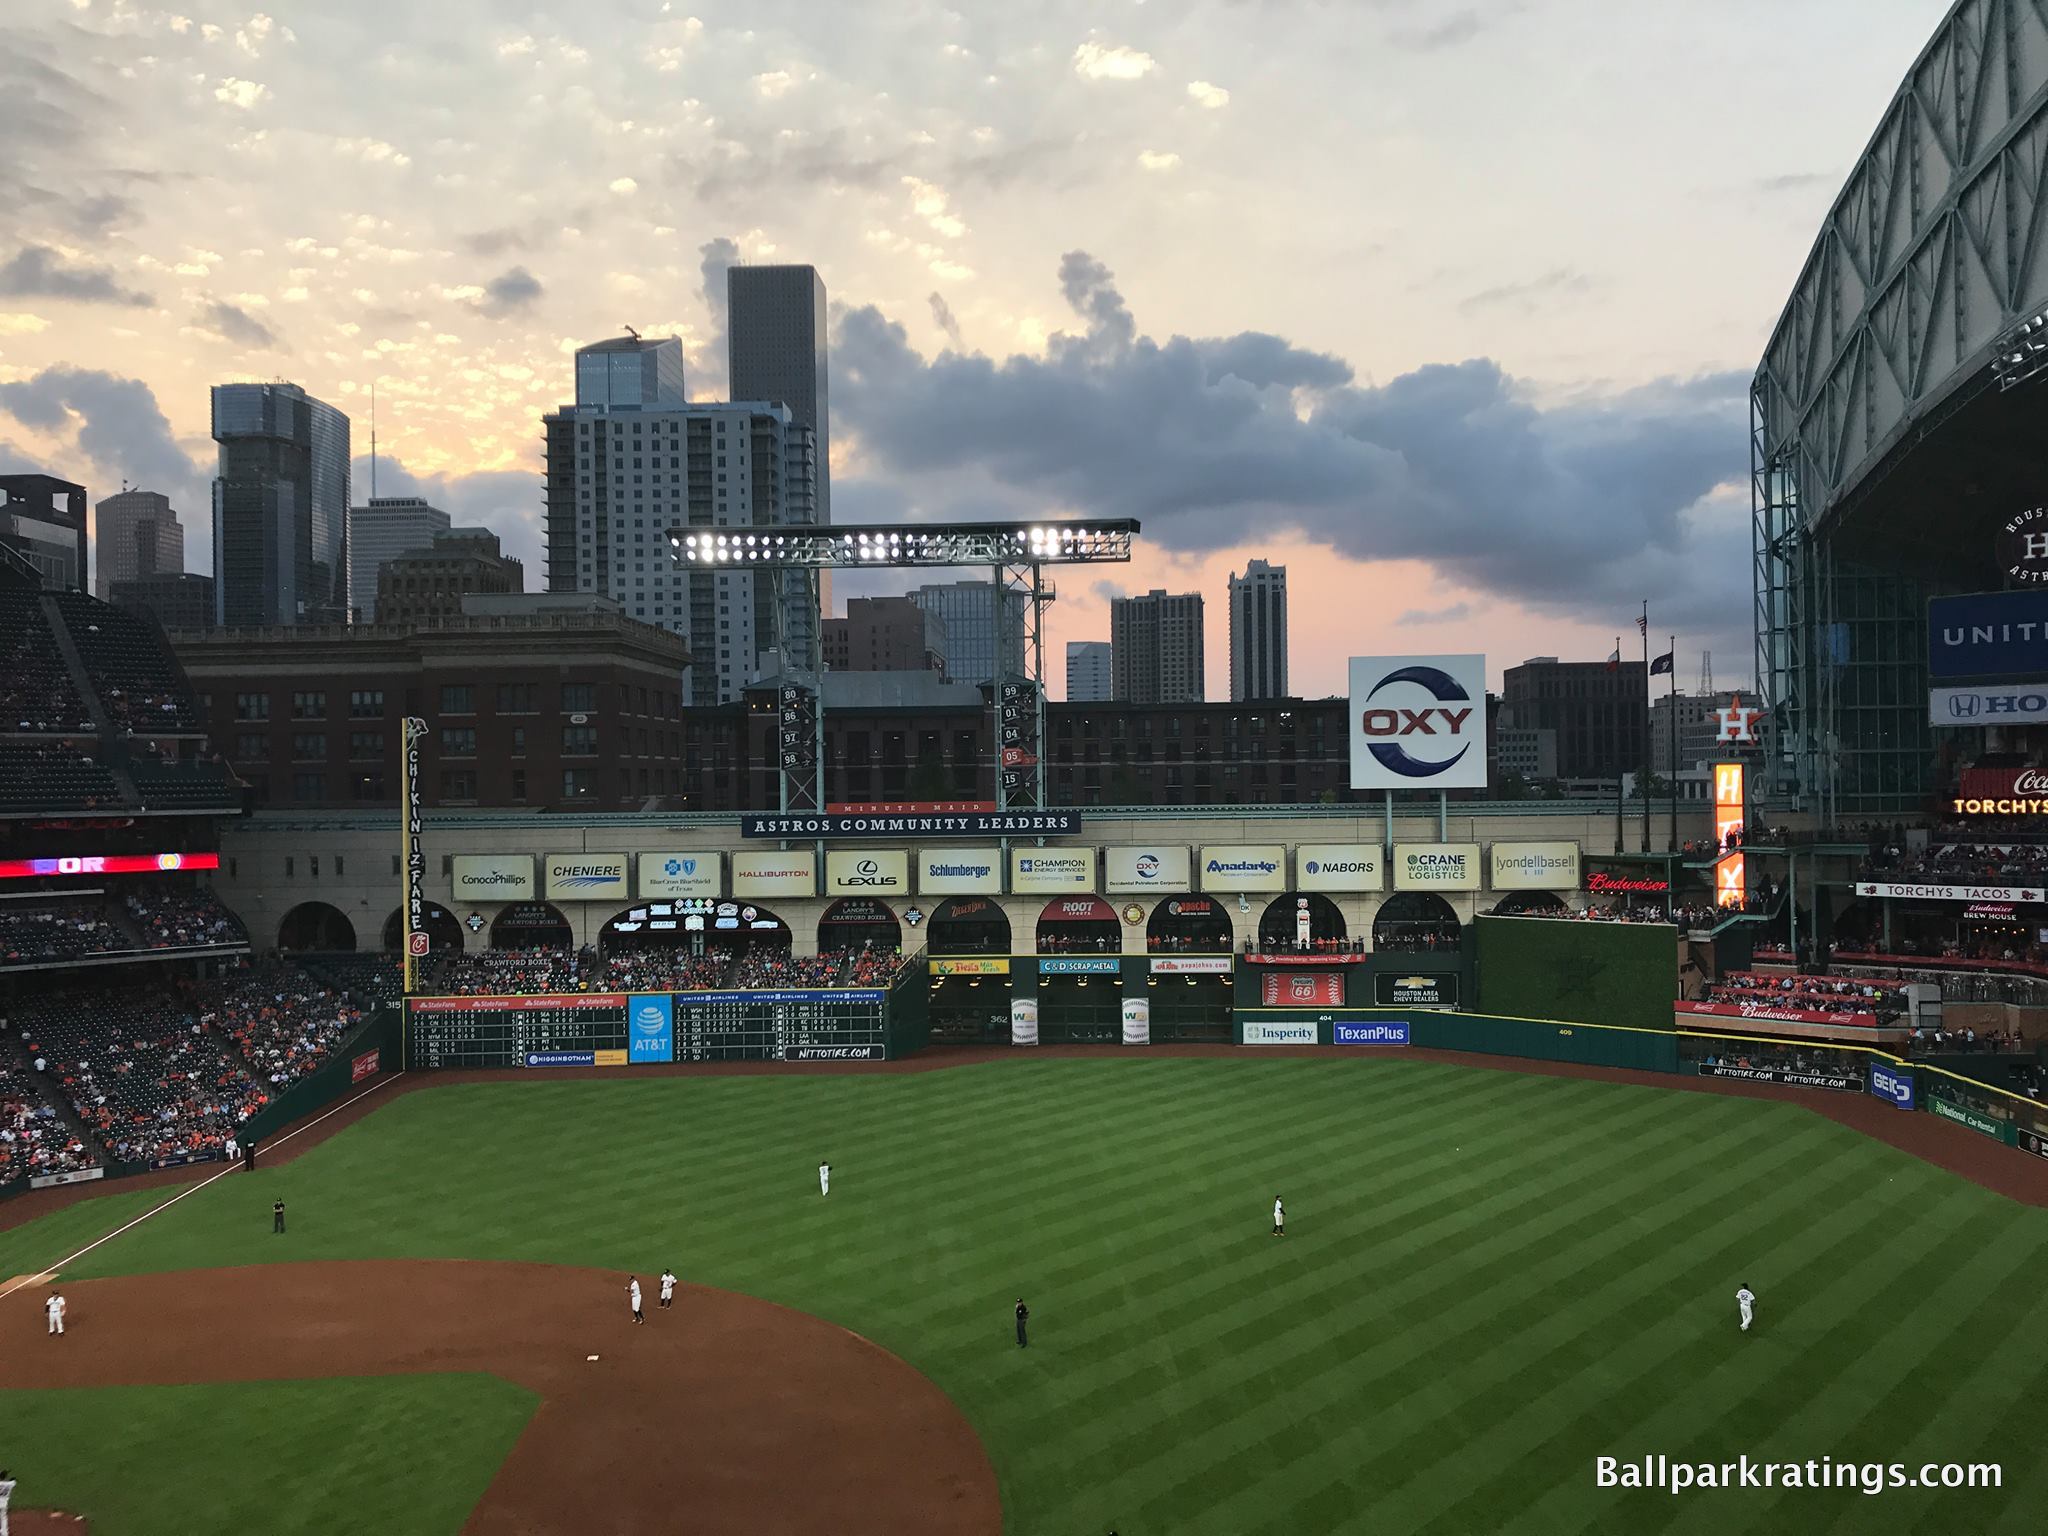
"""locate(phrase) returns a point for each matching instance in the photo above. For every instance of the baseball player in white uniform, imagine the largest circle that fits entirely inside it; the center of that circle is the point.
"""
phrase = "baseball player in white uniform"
(54, 1308)
(668, 1287)
(633, 1295)
(1745, 1301)
(1279, 1218)
(6, 1497)
(232, 1151)
(824, 1178)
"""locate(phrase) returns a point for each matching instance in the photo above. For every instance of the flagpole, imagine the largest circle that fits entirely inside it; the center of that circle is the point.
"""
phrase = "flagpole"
(1673, 650)
(1620, 774)
(1643, 624)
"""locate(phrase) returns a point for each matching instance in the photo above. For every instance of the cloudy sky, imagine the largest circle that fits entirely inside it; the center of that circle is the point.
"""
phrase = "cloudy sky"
(1451, 309)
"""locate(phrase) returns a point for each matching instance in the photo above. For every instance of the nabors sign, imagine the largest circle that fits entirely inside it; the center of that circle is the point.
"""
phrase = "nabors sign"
(1418, 722)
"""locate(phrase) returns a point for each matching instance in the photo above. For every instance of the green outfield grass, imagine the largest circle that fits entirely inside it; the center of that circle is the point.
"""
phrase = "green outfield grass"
(1489, 1279)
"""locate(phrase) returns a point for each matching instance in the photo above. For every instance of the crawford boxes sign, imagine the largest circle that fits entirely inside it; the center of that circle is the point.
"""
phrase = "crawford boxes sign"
(960, 871)
(1534, 866)
(1436, 867)
(1418, 722)
(1244, 867)
(1047, 871)
(492, 877)
(586, 877)
(1150, 867)
(1339, 867)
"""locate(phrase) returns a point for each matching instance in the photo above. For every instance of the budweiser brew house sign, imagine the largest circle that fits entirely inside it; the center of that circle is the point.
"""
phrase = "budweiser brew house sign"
(2002, 792)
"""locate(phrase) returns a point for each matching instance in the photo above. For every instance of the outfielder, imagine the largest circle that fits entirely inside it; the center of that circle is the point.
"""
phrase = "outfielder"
(668, 1287)
(1745, 1300)
(824, 1178)
(54, 1307)
(633, 1296)
(1279, 1218)
(6, 1497)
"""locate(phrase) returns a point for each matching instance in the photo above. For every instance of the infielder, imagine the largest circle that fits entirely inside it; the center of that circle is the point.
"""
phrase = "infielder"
(824, 1178)
(54, 1307)
(633, 1296)
(668, 1287)
(1279, 1218)
(1745, 1301)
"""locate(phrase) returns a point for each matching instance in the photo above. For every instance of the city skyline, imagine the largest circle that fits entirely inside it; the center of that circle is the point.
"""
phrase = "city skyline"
(983, 257)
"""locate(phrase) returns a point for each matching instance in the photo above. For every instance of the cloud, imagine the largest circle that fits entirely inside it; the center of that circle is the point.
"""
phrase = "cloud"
(931, 204)
(1573, 509)
(236, 324)
(1092, 61)
(244, 95)
(36, 271)
(513, 289)
(116, 425)
(624, 184)
(714, 258)
(1795, 181)
(32, 325)
(774, 83)
(1562, 282)
(1209, 97)
(942, 313)
(1446, 32)
(1454, 614)
(1157, 160)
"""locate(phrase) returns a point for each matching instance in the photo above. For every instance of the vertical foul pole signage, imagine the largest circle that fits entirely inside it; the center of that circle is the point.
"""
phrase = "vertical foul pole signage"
(415, 862)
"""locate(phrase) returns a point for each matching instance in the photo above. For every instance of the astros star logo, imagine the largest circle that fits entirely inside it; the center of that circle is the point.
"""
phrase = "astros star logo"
(1738, 721)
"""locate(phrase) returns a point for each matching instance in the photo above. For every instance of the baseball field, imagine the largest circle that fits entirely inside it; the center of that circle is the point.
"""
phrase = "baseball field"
(1489, 1280)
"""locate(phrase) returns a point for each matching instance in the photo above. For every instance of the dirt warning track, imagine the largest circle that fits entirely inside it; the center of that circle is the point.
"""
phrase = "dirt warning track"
(723, 1415)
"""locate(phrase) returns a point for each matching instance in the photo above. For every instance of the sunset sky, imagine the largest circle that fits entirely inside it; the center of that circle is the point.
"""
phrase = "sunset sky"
(1452, 310)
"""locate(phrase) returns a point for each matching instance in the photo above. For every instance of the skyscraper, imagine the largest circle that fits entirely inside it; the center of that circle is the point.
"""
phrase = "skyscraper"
(380, 532)
(1258, 633)
(631, 371)
(1156, 648)
(1088, 672)
(280, 507)
(135, 535)
(620, 477)
(968, 609)
(775, 350)
(42, 519)
(885, 634)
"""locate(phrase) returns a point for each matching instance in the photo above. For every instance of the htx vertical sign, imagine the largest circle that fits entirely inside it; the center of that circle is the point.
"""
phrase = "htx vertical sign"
(1728, 821)
(415, 903)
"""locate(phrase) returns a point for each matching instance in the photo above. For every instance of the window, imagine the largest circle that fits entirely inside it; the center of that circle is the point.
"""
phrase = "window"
(309, 706)
(516, 698)
(288, 861)
(518, 783)
(367, 705)
(519, 741)
(313, 866)
(579, 783)
(252, 747)
(458, 784)
(309, 747)
(579, 698)
(458, 699)
(365, 786)
(252, 706)
(309, 787)
(579, 740)
(458, 741)
(366, 745)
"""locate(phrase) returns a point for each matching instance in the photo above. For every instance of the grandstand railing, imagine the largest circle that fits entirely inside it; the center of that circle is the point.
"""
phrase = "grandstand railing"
(99, 957)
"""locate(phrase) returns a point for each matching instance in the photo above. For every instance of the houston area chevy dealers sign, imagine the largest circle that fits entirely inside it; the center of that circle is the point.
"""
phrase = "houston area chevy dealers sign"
(1418, 722)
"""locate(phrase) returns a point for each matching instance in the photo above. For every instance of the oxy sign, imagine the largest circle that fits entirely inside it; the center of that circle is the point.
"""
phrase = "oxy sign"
(1418, 722)
(1151, 867)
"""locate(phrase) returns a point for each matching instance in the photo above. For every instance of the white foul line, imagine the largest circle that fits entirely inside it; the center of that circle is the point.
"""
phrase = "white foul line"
(194, 1189)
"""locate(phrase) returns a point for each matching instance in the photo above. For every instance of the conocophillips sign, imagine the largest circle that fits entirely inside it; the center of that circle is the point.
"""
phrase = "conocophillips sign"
(960, 871)
(859, 872)
(1049, 870)
(585, 877)
(1244, 867)
(1418, 722)
(1339, 867)
(1534, 866)
(1436, 867)
(492, 877)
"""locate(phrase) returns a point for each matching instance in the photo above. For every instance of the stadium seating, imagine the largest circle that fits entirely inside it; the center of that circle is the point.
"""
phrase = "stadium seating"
(204, 784)
(33, 1138)
(1883, 996)
(138, 682)
(284, 1021)
(36, 693)
(529, 971)
(49, 931)
(169, 918)
(53, 776)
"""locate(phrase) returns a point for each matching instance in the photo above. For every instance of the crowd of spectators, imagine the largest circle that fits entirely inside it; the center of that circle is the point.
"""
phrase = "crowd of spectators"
(54, 776)
(762, 966)
(514, 972)
(168, 918)
(1792, 1056)
(668, 970)
(1408, 938)
(1939, 1040)
(872, 967)
(1884, 997)
(52, 931)
(36, 694)
(525, 972)
(34, 1140)
(284, 1022)
(1961, 863)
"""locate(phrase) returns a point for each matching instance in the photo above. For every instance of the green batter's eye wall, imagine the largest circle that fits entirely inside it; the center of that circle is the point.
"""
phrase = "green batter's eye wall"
(1578, 971)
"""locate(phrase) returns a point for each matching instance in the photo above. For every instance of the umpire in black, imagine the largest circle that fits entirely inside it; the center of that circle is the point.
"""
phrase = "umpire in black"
(1023, 1317)
(277, 1216)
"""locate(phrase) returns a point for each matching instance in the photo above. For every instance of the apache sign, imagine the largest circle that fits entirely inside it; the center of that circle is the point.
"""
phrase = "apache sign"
(1418, 722)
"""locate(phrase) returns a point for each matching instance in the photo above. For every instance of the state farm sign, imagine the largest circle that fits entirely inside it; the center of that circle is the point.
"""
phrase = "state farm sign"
(1418, 722)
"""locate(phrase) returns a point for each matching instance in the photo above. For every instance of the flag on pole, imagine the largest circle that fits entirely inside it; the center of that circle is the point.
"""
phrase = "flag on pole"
(1614, 661)
(1660, 664)
(1643, 626)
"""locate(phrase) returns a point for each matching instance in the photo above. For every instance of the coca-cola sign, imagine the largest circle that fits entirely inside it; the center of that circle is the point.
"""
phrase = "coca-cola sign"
(2002, 792)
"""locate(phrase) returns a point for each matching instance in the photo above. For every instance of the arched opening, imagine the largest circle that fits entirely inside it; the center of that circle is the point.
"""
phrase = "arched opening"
(1532, 904)
(531, 925)
(1080, 972)
(444, 932)
(968, 925)
(316, 926)
(857, 925)
(1191, 925)
(1079, 924)
(1190, 939)
(1415, 922)
(1301, 924)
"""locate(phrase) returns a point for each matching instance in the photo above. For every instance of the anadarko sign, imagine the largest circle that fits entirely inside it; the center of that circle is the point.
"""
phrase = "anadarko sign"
(1339, 867)
(1244, 867)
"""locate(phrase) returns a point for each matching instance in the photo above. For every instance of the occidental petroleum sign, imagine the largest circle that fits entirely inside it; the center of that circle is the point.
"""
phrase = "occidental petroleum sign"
(1415, 721)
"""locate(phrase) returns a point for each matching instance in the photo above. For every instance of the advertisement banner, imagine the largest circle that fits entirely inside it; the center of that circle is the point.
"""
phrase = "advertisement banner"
(960, 871)
(1302, 989)
(1244, 867)
(1023, 1021)
(1385, 1032)
(1846, 1080)
(571, 1001)
(1950, 892)
(1973, 1119)
(1436, 867)
(1048, 871)
(585, 877)
(867, 872)
(607, 1058)
(76, 1176)
(1339, 867)
(911, 824)
(561, 1058)
(1147, 867)
(651, 1027)
(1418, 722)
(972, 965)
(1533, 866)
(1137, 1021)
(838, 1053)
(1079, 965)
(2029, 1141)
(106, 864)
(1780, 1013)
(2014, 704)
(362, 1067)
(1259, 1032)
(1432, 991)
(1730, 817)
(2001, 792)
(1892, 1084)
(1192, 965)
(416, 940)
(493, 877)
(793, 872)
(1988, 634)
(679, 874)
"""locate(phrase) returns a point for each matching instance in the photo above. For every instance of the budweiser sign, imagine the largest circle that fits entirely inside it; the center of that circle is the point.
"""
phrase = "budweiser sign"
(1780, 1014)
(2002, 792)
(1599, 883)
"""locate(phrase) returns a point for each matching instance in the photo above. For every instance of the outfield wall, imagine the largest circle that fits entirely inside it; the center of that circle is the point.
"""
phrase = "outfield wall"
(1623, 974)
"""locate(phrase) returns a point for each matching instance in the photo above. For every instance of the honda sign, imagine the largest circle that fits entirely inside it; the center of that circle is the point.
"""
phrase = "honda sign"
(1418, 722)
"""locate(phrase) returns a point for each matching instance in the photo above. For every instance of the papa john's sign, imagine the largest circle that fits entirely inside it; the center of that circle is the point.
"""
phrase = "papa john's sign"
(1418, 722)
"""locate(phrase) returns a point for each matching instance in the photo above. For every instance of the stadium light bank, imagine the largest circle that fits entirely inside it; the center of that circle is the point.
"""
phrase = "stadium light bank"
(1077, 542)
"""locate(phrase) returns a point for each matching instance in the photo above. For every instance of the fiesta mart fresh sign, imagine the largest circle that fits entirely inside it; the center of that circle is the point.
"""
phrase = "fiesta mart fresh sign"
(1153, 867)
(492, 877)
(1244, 867)
(1049, 871)
(669, 875)
(960, 871)
(1339, 867)
(586, 877)
(1436, 867)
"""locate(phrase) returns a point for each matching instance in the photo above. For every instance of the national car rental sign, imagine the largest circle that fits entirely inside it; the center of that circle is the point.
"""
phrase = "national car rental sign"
(1418, 722)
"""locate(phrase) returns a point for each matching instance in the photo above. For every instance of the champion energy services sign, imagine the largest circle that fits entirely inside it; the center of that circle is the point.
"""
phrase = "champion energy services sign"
(1418, 722)
(586, 877)
(1244, 867)
(492, 877)
(1049, 871)
(1436, 867)
(1339, 867)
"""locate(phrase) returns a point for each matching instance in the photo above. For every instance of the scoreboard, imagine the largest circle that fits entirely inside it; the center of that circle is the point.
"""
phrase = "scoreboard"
(616, 1029)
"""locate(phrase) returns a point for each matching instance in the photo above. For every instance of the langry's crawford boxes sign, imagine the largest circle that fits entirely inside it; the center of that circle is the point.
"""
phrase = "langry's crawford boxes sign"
(1339, 867)
(960, 871)
(682, 873)
(1533, 866)
(867, 872)
(1436, 867)
(1048, 871)
(493, 877)
(1148, 867)
(1244, 867)
(1418, 722)
(793, 872)
(586, 877)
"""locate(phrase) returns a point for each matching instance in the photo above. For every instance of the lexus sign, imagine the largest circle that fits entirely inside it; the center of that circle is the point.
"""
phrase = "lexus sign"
(1418, 722)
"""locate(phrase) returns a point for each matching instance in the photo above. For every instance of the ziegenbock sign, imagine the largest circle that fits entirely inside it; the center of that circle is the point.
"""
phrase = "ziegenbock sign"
(1418, 722)
(415, 857)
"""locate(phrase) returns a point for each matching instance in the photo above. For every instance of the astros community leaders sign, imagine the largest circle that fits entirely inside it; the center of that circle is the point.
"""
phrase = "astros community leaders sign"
(910, 824)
